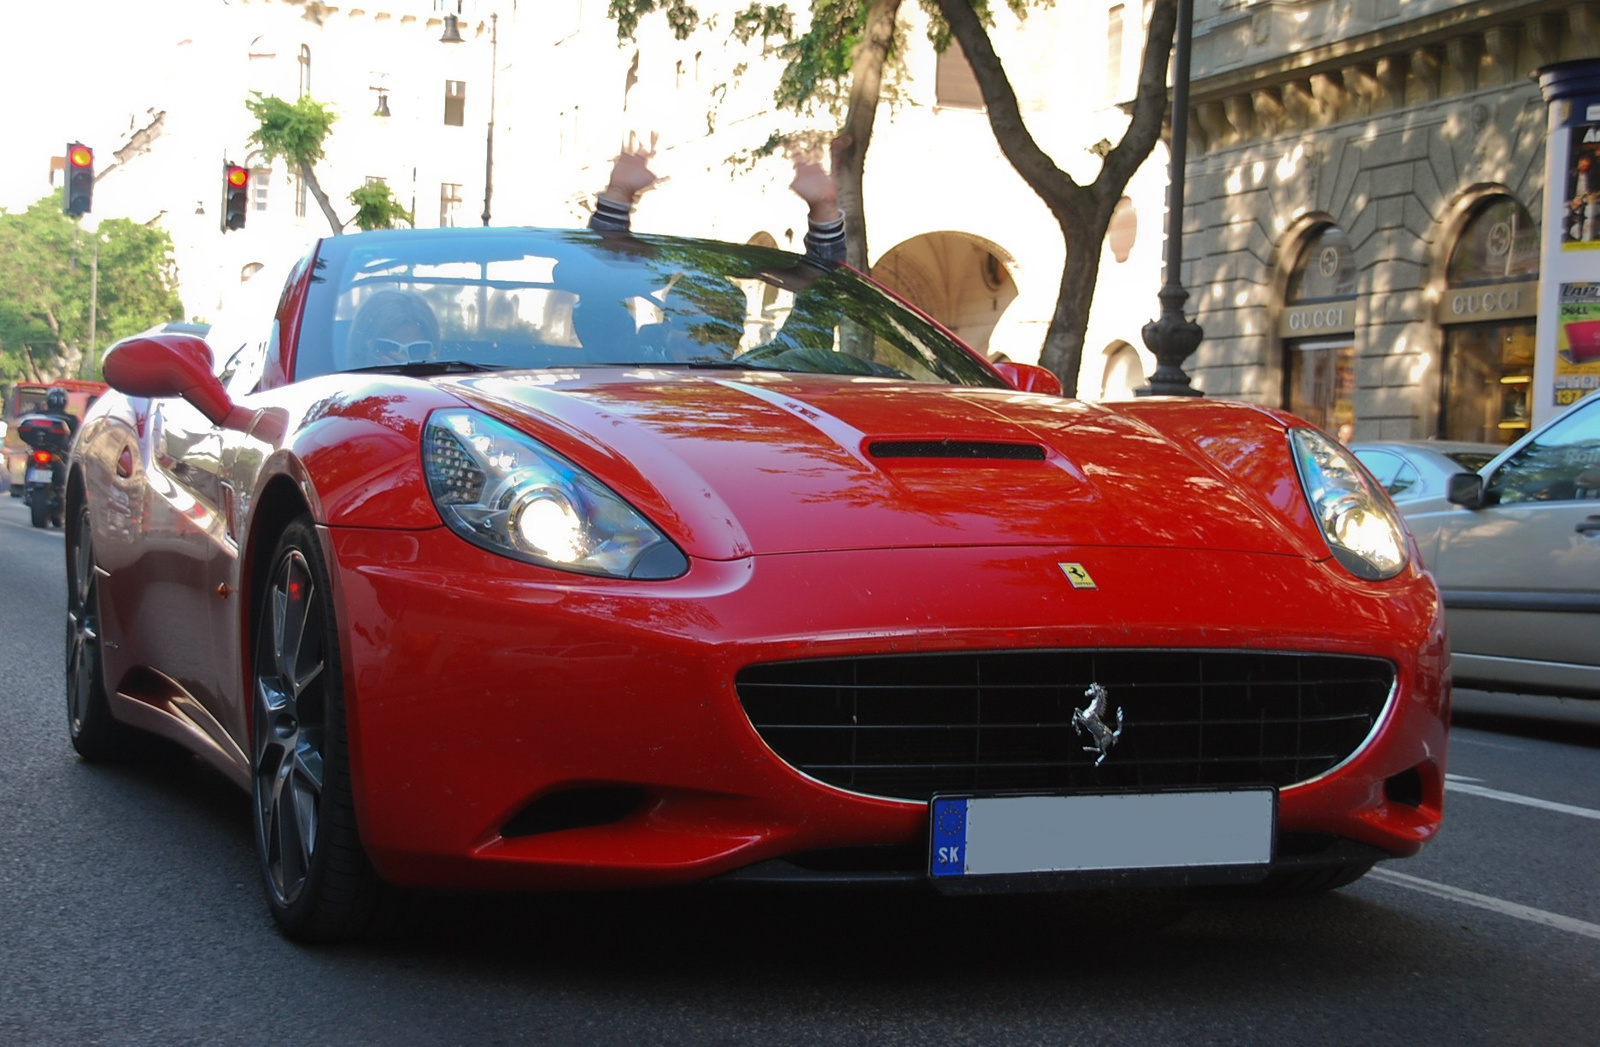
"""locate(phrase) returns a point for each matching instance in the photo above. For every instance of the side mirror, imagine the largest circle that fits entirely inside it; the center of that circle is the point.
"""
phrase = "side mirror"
(166, 365)
(1028, 378)
(1465, 489)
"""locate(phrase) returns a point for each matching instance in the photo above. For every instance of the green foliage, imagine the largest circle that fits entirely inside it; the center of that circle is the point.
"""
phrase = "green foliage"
(45, 266)
(378, 208)
(681, 16)
(293, 131)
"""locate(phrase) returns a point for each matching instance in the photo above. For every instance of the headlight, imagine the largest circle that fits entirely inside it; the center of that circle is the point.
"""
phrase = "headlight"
(1361, 527)
(503, 490)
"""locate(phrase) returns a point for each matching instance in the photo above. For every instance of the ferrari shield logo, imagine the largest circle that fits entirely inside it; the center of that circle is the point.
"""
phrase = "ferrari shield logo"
(1077, 575)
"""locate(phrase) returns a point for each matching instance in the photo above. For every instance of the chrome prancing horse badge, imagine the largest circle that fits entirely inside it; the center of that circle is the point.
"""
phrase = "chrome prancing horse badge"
(1091, 720)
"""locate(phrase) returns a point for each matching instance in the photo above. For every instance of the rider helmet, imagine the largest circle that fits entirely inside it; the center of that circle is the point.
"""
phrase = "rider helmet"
(56, 400)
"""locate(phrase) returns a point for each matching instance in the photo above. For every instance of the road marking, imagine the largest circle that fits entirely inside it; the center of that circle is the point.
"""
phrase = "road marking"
(1458, 739)
(1459, 785)
(1495, 905)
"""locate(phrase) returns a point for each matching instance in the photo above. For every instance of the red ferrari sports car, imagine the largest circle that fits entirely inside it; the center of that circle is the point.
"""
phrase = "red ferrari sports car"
(530, 559)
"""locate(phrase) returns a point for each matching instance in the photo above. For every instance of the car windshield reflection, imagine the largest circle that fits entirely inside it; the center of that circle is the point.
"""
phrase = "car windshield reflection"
(526, 299)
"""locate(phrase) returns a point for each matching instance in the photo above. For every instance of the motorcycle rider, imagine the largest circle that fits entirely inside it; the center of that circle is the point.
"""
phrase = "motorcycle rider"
(55, 405)
(49, 434)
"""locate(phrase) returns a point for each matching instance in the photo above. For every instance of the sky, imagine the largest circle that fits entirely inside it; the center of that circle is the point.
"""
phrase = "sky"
(73, 70)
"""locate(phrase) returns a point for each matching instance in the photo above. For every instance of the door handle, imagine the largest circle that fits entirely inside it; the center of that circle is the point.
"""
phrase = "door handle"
(1590, 525)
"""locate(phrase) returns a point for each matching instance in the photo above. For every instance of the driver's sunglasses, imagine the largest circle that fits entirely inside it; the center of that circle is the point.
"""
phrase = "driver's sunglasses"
(400, 352)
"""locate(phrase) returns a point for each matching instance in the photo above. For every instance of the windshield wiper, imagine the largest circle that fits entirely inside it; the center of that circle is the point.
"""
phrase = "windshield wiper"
(427, 367)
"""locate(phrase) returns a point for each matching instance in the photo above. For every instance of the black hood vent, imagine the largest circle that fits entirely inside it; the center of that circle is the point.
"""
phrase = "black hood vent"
(964, 449)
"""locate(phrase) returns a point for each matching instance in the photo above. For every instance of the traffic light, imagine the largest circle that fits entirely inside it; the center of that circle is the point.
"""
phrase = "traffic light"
(78, 193)
(235, 195)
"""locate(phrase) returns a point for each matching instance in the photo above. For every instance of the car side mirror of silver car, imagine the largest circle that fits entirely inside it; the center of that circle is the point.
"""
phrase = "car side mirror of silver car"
(1465, 489)
(167, 365)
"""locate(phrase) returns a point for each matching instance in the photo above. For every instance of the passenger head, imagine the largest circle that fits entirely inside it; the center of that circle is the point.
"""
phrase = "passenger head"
(391, 327)
(606, 329)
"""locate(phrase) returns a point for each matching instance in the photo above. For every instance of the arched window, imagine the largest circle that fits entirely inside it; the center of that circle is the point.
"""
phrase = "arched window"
(1487, 311)
(305, 69)
(1319, 350)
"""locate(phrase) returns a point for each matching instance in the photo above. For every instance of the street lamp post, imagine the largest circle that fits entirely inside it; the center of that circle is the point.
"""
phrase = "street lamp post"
(488, 160)
(452, 35)
(1174, 337)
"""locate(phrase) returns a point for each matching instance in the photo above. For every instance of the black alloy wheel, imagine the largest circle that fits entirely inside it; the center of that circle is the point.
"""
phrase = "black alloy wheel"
(319, 883)
(96, 735)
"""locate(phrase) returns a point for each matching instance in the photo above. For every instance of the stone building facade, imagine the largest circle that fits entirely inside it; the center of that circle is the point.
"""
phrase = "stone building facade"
(1363, 192)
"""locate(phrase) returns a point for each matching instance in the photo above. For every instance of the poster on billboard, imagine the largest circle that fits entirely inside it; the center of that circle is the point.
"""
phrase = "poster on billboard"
(1577, 342)
(1580, 220)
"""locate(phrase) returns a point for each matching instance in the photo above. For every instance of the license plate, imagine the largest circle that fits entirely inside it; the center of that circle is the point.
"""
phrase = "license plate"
(997, 835)
(36, 476)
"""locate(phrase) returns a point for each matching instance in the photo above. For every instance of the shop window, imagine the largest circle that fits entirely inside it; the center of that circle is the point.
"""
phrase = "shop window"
(1319, 381)
(1486, 383)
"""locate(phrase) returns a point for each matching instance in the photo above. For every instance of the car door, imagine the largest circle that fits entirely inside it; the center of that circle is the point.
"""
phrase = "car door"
(1520, 575)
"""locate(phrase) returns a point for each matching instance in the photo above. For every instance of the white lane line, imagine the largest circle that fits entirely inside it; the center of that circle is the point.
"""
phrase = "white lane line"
(1455, 785)
(1458, 739)
(1495, 905)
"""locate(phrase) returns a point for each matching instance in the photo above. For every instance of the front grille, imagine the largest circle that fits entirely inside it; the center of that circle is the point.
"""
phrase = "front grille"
(912, 725)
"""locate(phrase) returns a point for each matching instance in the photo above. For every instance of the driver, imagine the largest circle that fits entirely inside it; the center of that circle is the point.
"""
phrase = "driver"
(392, 327)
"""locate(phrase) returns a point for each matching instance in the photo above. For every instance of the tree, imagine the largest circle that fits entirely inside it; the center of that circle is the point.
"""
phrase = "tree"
(296, 132)
(841, 62)
(45, 267)
(378, 208)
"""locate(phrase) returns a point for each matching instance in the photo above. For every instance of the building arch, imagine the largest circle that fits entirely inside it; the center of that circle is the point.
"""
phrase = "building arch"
(1121, 372)
(963, 280)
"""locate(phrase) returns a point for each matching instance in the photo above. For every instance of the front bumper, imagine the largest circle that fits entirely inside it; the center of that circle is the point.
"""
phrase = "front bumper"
(478, 685)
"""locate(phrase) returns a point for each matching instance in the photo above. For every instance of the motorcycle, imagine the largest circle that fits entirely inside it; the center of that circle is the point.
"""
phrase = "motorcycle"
(44, 480)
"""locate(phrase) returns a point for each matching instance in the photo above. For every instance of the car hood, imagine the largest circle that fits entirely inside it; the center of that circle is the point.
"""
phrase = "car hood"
(732, 463)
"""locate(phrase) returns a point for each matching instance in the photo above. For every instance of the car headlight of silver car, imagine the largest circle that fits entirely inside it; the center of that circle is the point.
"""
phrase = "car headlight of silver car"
(501, 489)
(1362, 528)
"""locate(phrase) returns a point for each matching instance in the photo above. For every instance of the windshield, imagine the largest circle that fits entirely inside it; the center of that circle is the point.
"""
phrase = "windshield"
(504, 298)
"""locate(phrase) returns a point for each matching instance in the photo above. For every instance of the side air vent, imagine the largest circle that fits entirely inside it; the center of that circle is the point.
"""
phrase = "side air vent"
(965, 449)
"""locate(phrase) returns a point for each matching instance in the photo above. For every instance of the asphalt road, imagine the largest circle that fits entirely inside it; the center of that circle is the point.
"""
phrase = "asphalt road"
(130, 914)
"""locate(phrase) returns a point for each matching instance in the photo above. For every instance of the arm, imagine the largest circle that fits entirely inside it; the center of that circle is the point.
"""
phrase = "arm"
(630, 176)
(820, 190)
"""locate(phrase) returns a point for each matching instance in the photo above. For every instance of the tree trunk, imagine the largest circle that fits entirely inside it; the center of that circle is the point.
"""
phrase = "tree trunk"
(866, 83)
(1083, 212)
(321, 198)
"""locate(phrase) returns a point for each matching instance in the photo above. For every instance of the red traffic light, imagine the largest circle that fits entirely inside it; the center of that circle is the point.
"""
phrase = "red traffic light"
(235, 195)
(77, 196)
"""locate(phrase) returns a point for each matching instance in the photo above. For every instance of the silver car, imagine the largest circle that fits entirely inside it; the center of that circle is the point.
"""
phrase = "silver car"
(1516, 552)
(1415, 471)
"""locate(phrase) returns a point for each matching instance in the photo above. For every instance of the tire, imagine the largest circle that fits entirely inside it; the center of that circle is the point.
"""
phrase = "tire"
(96, 734)
(320, 886)
(1304, 883)
(39, 509)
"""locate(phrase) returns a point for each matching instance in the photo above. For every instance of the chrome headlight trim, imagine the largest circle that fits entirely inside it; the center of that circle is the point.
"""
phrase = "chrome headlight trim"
(1361, 527)
(504, 491)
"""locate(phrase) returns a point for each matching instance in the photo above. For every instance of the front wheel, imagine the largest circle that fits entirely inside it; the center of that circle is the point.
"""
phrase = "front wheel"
(320, 885)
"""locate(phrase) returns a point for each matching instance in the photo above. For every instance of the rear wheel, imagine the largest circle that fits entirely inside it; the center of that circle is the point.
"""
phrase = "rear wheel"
(39, 508)
(319, 883)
